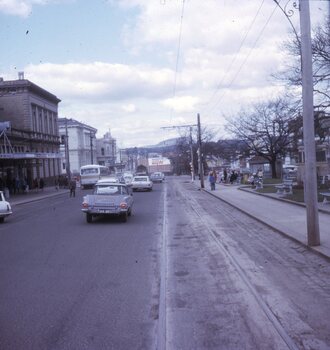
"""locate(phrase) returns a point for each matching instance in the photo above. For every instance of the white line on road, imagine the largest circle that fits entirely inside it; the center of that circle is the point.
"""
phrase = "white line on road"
(162, 325)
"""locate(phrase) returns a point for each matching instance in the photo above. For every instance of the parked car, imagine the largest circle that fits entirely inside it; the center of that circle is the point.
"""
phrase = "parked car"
(141, 183)
(5, 208)
(157, 177)
(108, 198)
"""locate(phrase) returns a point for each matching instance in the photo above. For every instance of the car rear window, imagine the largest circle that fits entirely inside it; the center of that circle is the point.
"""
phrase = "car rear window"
(140, 179)
(109, 190)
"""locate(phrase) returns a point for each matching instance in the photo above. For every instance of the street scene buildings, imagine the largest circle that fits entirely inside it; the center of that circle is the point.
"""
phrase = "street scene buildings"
(36, 143)
(165, 175)
(30, 144)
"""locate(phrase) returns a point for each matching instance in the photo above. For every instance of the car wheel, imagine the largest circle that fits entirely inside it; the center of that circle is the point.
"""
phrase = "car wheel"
(89, 218)
(130, 212)
(2, 220)
(123, 217)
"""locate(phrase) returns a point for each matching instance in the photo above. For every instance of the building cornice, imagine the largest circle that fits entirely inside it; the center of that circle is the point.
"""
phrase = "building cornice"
(31, 87)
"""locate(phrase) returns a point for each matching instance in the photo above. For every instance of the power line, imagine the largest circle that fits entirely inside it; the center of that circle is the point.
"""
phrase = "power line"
(246, 58)
(237, 52)
(178, 54)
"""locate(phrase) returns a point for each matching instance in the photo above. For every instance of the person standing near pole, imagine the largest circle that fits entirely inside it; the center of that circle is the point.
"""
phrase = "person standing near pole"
(72, 186)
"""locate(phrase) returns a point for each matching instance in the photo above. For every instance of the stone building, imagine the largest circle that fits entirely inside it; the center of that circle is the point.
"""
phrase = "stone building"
(29, 133)
(106, 151)
(78, 145)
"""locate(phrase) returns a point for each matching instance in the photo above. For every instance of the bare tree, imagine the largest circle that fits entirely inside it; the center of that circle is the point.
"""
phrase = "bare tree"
(291, 74)
(266, 129)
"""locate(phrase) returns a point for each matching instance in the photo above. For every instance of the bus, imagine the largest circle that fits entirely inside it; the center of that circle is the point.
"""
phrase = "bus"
(90, 174)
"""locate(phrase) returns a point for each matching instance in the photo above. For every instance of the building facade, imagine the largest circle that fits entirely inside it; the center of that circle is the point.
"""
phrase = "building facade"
(29, 134)
(78, 145)
(106, 151)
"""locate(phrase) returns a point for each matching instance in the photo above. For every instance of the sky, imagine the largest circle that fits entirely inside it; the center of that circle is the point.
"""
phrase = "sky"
(138, 67)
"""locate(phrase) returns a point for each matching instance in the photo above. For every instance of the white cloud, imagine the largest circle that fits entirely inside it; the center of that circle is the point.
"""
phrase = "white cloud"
(130, 108)
(102, 81)
(182, 103)
(23, 8)
(216, 71)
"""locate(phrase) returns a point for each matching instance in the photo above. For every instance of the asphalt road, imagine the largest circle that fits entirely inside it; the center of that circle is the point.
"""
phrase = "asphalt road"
(186, 271)
(66, 284)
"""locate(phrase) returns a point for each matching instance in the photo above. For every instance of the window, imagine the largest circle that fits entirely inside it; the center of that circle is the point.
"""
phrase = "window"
(34, 118)
(46, 130)
(41, 127)
(320, 156)
(89, 171)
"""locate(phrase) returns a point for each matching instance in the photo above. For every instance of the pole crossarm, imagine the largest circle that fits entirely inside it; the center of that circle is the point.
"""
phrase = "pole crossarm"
(178, 126)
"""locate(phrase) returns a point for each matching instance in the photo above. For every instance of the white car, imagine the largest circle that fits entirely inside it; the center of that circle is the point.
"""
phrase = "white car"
(5, 208)
(108, 198)
(141, 182)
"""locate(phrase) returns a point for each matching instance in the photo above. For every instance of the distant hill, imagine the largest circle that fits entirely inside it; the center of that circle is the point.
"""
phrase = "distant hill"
(164, 144)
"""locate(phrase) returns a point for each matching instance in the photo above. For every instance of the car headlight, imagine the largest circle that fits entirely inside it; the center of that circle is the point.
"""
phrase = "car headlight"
(85, 205)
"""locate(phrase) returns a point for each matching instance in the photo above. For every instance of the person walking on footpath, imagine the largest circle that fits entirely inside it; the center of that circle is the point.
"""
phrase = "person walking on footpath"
(212, 180)
(41, 184)
(72, 187)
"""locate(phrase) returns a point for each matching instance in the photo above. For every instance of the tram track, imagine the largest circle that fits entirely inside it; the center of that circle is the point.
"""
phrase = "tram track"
(243, 275)
(229, 280)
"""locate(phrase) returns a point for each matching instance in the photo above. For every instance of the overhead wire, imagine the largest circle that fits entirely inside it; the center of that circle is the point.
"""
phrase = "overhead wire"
(237, 53)
(245, 60)
(176, 63)
(178, 55)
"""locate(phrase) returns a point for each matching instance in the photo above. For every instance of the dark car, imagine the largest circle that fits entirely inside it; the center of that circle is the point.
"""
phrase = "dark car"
(157, 177)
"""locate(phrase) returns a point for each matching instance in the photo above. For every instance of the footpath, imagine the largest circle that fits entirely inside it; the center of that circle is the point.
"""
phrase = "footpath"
(36, 195)
(286, 217)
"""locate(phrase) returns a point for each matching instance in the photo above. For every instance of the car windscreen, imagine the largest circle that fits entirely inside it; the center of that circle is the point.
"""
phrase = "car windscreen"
(109, 190)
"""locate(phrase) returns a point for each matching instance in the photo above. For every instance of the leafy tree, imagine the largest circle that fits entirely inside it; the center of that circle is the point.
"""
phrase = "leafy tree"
(266, 129)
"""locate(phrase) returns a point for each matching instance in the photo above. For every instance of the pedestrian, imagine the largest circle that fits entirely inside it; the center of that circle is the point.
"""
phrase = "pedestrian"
(57, 183)
(72, 186)
(36, 184)
(225, 175)
(232, 177)
(41, 184)
(212, 180)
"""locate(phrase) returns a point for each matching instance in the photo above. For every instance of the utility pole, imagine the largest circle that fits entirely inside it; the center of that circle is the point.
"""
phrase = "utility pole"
(191, 156)
(67, 155)
(200, 153)
(310, 183)
(91, 145)
(190, 143)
